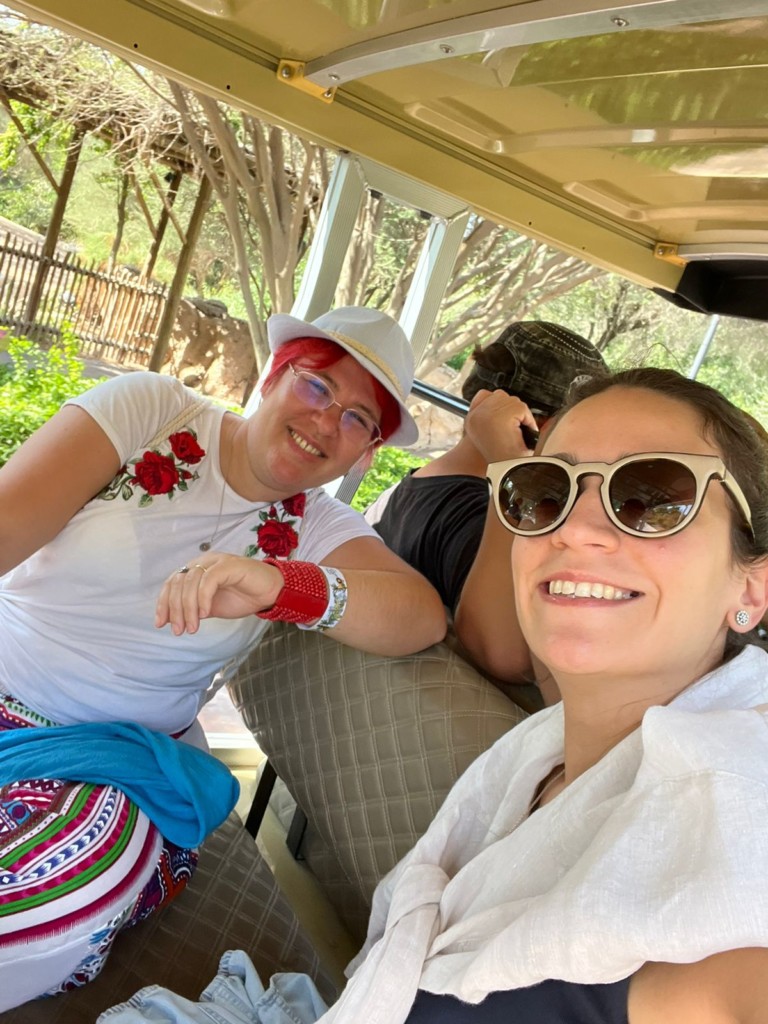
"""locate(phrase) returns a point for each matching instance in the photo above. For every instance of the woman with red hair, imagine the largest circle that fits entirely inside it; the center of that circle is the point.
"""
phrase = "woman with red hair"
(148, 537)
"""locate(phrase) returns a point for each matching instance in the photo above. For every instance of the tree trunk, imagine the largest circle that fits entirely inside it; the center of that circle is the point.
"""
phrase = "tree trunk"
(180, 276)
(162, 223)
(54, 226)
(122, 202)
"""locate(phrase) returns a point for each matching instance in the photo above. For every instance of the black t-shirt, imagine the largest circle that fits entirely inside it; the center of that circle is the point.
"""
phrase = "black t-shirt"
(434, 523)
(550, 1002)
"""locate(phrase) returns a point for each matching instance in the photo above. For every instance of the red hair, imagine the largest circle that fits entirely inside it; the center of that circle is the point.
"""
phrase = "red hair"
(319, 354)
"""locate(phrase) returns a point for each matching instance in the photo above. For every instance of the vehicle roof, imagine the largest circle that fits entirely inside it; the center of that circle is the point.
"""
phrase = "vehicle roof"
(635, 137)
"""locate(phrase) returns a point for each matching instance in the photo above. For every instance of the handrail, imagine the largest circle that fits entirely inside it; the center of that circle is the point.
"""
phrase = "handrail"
(442, 399)
(459, 406)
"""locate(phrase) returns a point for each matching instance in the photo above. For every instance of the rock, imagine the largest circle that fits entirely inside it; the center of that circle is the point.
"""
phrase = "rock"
(210, 307)
(215, 352)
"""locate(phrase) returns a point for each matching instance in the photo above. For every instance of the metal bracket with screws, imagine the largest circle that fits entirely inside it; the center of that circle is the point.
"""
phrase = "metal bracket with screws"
(668, 252)
(291, 72)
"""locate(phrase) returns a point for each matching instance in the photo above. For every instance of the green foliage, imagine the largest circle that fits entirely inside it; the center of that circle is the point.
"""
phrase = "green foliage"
(661, 334)
(9, 147)
(457, 360)
(34, 384)
(26, 200)
(48, 134)
(735, 363)
(93, 204)
(26, 197)
(389, 467)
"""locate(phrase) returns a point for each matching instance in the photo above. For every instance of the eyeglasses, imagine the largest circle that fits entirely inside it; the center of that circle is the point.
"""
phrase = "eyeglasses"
(315, 392)
(653, 494)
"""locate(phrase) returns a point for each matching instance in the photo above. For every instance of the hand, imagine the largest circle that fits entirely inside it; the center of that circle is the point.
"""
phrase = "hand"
(216, 586)
(493, 425)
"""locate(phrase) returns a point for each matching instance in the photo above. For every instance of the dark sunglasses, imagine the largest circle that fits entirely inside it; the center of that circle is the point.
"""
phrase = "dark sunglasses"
(653, 494)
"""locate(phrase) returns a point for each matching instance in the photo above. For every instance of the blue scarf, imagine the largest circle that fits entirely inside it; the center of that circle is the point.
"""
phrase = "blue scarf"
(185, 792)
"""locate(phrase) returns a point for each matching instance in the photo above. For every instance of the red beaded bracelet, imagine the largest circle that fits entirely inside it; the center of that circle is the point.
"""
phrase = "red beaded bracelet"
(304, 597)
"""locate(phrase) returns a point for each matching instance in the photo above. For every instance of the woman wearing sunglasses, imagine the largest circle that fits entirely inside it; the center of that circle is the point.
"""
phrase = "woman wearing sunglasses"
(148, 536)
(606, 862)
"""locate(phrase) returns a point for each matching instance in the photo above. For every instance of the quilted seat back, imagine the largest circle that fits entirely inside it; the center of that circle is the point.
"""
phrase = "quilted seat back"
(367, 745)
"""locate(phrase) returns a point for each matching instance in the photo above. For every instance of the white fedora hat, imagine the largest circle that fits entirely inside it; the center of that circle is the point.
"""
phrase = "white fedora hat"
(376, 341)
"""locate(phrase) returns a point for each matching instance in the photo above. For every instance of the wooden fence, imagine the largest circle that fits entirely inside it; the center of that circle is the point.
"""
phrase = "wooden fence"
(115, 315)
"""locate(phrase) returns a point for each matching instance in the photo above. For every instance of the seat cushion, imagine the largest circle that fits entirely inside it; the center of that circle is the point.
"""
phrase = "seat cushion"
(368, 745)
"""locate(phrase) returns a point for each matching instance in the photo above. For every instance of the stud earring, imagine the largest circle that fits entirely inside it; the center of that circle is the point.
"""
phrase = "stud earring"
(742, 617)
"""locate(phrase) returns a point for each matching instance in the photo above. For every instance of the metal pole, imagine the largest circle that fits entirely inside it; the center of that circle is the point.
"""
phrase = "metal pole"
(706, 341)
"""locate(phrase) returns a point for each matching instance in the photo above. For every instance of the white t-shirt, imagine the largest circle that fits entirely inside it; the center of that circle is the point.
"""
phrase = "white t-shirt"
(77, 617)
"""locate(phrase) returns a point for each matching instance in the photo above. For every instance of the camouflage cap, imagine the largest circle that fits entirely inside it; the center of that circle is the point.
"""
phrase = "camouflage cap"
(545, 359)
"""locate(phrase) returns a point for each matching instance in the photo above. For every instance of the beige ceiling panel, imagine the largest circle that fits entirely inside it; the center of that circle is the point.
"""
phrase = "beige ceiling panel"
(603, 129)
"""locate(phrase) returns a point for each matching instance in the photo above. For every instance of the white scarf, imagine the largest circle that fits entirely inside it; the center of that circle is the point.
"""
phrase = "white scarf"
(658, 852)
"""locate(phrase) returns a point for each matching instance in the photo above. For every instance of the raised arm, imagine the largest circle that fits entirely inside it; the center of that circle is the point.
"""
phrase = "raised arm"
(486, 619)
(48, 479)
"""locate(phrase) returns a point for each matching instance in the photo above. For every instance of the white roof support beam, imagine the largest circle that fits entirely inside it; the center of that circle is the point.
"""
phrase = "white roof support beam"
(521, 24)
(341, 206)
(352, 176)
(430, 279)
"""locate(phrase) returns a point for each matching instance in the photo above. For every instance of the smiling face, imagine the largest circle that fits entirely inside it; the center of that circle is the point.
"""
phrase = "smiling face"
(293, 446)
(595, 601)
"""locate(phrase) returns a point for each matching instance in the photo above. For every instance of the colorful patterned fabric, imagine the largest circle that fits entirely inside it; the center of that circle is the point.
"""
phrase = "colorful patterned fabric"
(78, 862)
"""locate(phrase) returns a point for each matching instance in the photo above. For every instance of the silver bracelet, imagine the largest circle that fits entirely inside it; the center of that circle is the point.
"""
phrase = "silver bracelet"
(337, 600)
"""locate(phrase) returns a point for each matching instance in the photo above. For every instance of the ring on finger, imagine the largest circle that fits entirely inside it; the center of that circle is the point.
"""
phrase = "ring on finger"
(198, 566)
(182, 570)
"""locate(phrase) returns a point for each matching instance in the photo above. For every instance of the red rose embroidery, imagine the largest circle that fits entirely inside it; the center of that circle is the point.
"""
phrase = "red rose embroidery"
(156, 473)
(277, 539)
(294, 505)
(185, 447)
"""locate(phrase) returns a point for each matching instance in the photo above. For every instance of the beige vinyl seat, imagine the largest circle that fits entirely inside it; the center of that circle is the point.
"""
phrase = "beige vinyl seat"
(367, 745)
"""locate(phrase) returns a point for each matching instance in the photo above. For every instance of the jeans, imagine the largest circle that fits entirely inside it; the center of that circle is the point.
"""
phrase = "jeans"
(235, 996)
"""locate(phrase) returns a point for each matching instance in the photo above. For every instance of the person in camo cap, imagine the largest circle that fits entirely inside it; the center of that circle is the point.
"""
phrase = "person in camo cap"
(435, 518)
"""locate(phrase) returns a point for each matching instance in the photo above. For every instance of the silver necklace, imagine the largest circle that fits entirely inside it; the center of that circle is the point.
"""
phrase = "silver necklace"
(539, 794)
(208, 544)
